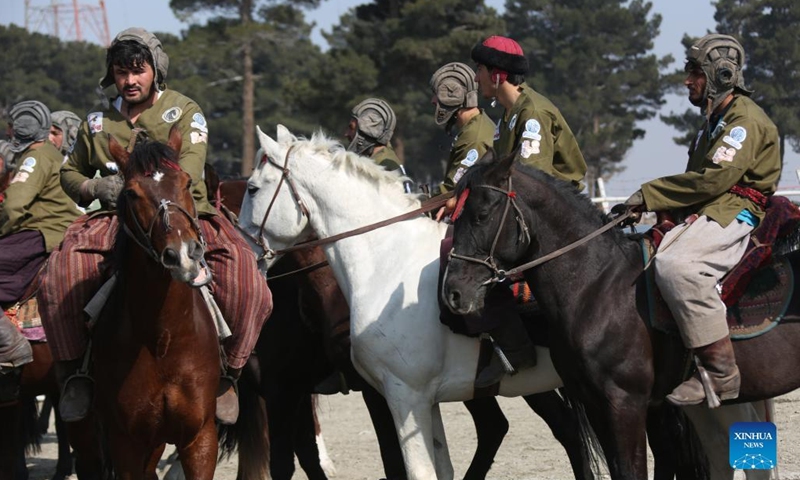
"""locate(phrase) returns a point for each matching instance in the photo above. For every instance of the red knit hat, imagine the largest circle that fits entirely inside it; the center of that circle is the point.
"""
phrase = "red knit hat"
(501, 53)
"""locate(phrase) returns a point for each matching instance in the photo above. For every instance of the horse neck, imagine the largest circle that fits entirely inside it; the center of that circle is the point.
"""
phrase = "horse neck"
(555, 223)
(360, 260)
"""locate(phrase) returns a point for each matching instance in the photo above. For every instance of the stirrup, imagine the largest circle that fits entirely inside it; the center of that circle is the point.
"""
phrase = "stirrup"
(500, 355)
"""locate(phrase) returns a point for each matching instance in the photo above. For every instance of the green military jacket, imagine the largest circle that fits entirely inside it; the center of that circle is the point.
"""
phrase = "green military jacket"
(470, 144)
(545, 141)
(386, 158)
(34, 198)
(743, 148)
(90, 153)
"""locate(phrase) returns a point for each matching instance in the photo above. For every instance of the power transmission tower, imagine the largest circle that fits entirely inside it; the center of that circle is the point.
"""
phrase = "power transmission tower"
(69, 20)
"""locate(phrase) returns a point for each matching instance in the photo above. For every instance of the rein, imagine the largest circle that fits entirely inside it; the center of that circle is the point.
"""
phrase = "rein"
(269, 253)
(500, 274)
(143, 238)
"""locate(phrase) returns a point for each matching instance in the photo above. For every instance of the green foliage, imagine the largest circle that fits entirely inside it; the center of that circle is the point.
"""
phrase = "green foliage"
(399, 44)
(592, 59)
(62, 75)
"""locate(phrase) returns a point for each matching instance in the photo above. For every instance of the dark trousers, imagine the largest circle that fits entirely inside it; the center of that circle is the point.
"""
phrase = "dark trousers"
(21, 256)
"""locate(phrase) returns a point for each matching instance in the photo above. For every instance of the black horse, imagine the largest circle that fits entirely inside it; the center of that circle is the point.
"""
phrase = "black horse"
(601, 342)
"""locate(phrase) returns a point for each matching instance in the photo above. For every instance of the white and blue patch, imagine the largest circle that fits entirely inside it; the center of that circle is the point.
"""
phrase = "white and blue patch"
(28, 164)
(497, 131)
(533, 126)
(471, 158)
(199, 122)
(512, 122)
(738, 134)
(172, 115)
(112, 166)
(733, 143)
(95, 120)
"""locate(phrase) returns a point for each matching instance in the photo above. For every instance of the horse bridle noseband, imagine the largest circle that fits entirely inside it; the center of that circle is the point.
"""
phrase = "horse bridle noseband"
(524, 234)
(144, 237)
(499, 274)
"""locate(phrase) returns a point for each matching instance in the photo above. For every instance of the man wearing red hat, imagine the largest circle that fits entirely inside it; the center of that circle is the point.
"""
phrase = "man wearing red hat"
(534, 128)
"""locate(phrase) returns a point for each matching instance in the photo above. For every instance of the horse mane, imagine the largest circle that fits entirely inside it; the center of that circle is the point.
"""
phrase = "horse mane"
(321, 145)
(577, 202)
(149, 156)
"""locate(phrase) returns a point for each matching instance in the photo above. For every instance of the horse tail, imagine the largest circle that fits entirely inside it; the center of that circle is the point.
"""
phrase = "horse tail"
(676, 447)
(31, 436)
(249, 434)
(593, 451)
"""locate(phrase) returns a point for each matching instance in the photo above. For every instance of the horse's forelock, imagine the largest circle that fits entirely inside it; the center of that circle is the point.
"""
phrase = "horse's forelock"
(149, 156)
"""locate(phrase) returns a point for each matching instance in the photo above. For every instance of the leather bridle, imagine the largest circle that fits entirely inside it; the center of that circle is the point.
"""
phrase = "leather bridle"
(143, 237)
(489, 262)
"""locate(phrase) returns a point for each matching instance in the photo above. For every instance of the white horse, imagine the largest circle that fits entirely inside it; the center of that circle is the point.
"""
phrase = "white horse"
(389, 277)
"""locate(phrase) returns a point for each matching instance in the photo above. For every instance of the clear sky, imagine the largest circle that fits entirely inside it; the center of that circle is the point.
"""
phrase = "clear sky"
(655, 155)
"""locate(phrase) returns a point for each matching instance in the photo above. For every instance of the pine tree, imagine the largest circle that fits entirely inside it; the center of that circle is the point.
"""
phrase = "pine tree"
(593, 59)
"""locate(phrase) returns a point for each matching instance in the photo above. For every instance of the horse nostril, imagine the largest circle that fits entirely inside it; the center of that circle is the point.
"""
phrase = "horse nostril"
(170, 257)
(454, 298)
(196, 250)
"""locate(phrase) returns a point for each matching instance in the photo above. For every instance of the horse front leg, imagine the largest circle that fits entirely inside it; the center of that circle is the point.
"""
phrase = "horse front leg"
(412, 412)
(441, 454)
(199, 458)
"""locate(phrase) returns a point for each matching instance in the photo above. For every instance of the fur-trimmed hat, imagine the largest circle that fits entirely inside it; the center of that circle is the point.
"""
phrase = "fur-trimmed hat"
(501, 53)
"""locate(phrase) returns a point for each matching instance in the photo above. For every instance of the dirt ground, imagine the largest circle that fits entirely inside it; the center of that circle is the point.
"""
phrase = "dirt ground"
(528, 453)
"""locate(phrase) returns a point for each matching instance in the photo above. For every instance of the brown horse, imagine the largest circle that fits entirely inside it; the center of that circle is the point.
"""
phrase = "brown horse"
(307, 337)
(155, 350)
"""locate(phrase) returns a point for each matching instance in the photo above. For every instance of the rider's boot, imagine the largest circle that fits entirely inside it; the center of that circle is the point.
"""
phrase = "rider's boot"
(718, 360)
(15, 350)
(77, 390)
(512, 339)
(227, 397)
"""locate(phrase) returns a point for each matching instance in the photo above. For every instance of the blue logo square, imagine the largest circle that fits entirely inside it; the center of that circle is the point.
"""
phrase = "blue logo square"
(753, 446)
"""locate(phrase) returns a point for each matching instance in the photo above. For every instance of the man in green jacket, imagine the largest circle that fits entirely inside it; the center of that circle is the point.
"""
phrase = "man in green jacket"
(534, 128)
(137, 66)
(370, 131)
(36, 212)
(734, 165)
(64, 130)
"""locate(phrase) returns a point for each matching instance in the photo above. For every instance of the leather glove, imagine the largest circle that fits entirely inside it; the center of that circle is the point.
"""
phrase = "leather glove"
(635, 200)
(105, 189)
(634, 204)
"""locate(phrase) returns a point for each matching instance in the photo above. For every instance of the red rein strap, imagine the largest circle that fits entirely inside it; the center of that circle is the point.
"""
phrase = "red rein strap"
(462, 199)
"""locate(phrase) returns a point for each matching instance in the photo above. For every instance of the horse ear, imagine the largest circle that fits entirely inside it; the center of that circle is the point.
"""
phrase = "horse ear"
(488, 157)
(268, 145)
(175, 140)
(500, 169)
(285, 137)
(118, 152)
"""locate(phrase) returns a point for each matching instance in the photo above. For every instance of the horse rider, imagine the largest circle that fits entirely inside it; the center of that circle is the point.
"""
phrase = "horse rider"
(36, 213)
(534, 128)
(137, 66)
(369, 131)
(734, 165)
(64, 130)
(6, 167)
(455, 99)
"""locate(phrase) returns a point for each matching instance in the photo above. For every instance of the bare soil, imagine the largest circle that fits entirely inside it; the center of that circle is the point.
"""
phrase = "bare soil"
(528, 453)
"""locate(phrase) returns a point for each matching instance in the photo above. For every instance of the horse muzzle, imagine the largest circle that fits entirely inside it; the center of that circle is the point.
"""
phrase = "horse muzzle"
(184, 262)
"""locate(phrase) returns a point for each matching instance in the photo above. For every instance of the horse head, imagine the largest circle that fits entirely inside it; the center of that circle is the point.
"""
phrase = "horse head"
(490, 233)
(273, 213)
(156, 208)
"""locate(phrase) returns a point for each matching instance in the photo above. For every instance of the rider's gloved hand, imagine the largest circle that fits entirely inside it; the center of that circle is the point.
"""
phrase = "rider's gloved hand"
(105, 189)
(634, 204)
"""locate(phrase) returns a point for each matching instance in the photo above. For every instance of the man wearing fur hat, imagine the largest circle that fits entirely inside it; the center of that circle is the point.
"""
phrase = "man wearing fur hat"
(137, 66)
(64, 130)
(531, 124)
(370, 131)
(36, 212)
(734, 166)
(534, 128)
